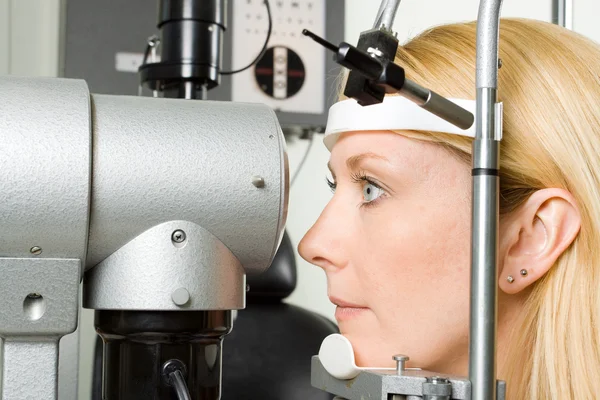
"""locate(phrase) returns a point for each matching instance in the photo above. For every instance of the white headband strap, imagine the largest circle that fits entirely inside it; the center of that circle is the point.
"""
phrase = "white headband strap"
(395, 113)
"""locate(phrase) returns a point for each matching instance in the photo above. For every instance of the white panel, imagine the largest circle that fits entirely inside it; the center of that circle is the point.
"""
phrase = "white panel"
(130, 62)
(585, 15)
(4, 36)
(35, 37)
(289, 18)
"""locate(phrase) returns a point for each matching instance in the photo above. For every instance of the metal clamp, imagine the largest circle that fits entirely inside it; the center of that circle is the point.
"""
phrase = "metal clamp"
(437, 388)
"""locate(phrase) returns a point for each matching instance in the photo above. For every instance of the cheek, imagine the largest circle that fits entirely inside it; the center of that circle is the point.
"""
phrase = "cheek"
(416, 281)
(417, 243)
(416, 251)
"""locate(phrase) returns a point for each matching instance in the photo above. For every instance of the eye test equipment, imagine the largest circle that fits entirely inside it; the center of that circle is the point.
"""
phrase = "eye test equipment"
(161, 206)
(373, 74)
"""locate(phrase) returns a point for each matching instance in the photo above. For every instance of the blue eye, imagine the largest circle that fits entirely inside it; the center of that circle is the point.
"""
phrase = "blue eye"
(371, 192)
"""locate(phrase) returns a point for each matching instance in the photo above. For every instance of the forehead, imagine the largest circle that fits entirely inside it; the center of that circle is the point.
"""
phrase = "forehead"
(410, 161)
(394, 147)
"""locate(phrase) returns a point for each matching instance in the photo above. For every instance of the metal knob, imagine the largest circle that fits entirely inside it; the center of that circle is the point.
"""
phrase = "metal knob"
(437, 388)
(401, 360)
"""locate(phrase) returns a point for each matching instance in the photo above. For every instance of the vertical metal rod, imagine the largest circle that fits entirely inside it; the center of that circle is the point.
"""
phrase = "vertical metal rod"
(188, 90)
(563, 13)
(386, 14)
(484, 236)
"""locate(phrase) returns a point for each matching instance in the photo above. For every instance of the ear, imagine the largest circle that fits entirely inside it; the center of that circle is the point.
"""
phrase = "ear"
(534, 236)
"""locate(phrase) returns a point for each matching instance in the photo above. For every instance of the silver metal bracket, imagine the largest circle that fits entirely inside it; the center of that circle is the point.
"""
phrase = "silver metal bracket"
(177, 265)
(40, 304)
(413, 384)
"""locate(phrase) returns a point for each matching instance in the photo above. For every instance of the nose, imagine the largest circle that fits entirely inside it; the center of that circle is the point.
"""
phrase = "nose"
(326, 243)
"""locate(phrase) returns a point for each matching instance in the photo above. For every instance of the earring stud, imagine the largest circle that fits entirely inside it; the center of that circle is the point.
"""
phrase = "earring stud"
(510, 279)
(524, 272)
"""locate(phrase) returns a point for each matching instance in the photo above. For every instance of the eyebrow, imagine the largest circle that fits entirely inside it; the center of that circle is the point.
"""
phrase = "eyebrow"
(353, 162)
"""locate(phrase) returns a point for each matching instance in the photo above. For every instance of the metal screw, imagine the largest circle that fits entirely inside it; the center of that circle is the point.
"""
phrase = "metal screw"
(258, 181)
(180, 296)
(36, 250)
(178, 236)
(401, 360)
(499, 63)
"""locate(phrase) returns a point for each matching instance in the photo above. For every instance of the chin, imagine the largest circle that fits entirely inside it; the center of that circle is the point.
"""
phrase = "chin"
(369, 350)
(371, 358)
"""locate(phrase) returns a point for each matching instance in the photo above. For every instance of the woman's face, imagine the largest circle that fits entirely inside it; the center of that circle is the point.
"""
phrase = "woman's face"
(394, 244)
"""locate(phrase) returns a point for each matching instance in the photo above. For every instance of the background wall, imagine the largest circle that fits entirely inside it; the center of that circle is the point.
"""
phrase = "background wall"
(30, 32)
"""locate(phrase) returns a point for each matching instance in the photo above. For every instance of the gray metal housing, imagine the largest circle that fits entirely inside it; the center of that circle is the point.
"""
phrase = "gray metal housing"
(102, 183)
(160, 160)
(154, 161)
(45, 167)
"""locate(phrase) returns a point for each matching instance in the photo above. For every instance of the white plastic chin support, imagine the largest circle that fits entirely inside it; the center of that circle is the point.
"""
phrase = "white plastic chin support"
(395, 113)
(337, 356)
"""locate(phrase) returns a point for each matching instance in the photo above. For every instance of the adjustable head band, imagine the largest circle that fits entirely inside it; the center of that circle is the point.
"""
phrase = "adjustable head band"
(395, 113)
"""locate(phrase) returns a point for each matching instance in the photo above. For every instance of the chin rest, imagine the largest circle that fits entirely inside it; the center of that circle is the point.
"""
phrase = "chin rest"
(267, 355)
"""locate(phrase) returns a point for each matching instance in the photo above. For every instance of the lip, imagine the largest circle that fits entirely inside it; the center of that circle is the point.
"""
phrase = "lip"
(346, 311)
(343, 304)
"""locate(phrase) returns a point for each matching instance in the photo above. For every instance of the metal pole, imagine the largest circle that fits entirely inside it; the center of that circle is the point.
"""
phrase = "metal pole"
(563, 13)
(386, 14)
(484, 280)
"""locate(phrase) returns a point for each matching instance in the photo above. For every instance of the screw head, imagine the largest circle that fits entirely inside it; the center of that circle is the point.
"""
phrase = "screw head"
(35, 250)
(258, 181)
(178, 236)
(401, 357)
(499, 63)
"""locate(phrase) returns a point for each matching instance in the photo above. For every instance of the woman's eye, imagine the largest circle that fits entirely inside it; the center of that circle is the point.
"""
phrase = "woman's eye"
(371, 192)
(332, 185)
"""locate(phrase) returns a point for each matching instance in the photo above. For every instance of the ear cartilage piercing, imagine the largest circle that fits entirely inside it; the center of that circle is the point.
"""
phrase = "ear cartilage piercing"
(510, 279)
(524, 272)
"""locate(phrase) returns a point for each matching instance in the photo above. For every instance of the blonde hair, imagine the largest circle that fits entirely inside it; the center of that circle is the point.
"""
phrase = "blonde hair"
(550, 87)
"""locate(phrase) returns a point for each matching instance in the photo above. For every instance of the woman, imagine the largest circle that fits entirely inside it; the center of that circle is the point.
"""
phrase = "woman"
(394, 241)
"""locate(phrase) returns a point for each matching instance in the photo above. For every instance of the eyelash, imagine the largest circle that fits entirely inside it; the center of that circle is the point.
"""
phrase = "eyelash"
(332, 185)
(360, 177)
